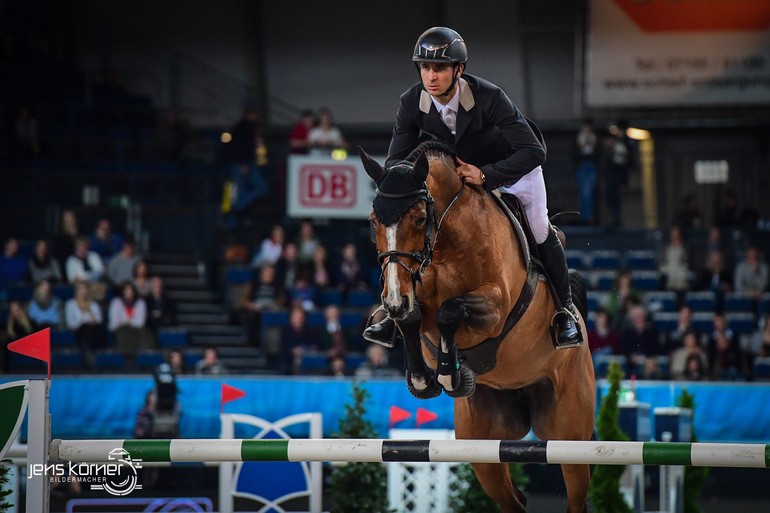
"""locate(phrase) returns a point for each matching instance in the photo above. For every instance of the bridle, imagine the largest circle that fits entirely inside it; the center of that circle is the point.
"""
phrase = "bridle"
(424, 257)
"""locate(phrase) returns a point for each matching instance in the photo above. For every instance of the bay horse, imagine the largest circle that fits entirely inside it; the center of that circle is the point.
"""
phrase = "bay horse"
(475, 316)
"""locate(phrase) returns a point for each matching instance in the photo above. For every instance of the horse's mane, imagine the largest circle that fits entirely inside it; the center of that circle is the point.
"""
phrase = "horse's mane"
(436, 146)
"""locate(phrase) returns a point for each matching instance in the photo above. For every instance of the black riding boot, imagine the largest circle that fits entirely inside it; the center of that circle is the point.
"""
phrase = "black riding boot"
(567, 333)
(383, 332)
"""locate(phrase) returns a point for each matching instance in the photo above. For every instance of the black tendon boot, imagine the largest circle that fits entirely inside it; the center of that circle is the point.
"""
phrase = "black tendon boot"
(567, 333)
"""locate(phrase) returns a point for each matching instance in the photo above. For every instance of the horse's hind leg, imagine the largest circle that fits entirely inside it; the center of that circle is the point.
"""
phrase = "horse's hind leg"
(495, 478)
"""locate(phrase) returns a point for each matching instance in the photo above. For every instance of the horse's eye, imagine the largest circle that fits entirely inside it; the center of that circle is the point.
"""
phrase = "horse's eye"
(421, 221)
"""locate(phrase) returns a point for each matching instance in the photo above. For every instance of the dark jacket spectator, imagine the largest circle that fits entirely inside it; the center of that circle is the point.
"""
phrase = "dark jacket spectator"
(42, 266)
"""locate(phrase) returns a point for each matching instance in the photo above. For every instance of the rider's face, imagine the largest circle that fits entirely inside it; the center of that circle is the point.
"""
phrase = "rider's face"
(437, 78)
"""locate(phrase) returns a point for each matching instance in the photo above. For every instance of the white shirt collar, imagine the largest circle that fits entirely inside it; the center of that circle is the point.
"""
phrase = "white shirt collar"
(453, 104)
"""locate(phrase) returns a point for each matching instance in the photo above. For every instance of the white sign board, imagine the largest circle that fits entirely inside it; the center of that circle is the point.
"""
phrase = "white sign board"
(671, 53)
(320, 187)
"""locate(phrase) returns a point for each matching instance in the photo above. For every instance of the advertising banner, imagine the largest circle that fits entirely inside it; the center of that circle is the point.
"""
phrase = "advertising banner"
(670, 53)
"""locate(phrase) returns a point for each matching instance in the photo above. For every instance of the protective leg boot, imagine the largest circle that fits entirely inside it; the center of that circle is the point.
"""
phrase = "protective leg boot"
(564, 324)
(383, 332)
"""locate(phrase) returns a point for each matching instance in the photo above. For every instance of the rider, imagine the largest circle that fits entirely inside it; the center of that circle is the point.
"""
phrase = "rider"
(496, 146)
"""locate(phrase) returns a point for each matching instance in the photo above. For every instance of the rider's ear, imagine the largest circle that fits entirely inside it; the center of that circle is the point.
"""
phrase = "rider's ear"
(420, 169)
(372, 167)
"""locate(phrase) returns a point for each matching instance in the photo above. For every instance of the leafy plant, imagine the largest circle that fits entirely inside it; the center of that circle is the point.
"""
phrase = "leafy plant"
(694, 477)
(358, 487)
(605, 482)
(5, 490)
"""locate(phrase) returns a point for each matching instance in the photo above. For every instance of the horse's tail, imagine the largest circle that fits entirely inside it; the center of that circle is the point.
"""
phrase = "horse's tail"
(579, 296)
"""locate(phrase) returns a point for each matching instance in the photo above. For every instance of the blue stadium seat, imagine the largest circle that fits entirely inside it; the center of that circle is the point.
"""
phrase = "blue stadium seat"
(660, 301)
(761, 368)
(602, 363)
(351, 318)
(66, 360)
(275, 318)
(108, 361)
(596, 300)
(738, 302)
(742, 323)
(576, 259)
(239, 275)
(64, 292)
(315, 318)
(362, 298)
(641, 260)
(148, 361)
(172, 337)
(664, 321)
(703, 301)
(703, 322)
(328, 297)
(20, 292)
(19, 363)
(604, 280)
(191, 358)
(764, 304)
(607, 260)
(645, 280)
(354, 361)
(63, 338)
(591, 320)
(314, 362)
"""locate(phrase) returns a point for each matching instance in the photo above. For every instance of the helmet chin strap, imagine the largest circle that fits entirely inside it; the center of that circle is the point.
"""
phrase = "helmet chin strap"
(455, 77)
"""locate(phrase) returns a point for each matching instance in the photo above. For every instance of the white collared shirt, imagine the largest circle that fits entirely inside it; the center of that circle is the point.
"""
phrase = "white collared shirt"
(453, 103)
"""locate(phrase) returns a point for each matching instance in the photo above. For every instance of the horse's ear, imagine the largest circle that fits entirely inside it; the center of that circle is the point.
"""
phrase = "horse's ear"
(420, 170)
(372, 167)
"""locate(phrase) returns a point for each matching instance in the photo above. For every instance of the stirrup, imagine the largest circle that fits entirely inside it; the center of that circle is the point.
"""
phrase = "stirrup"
(369, 336)
(567, 311)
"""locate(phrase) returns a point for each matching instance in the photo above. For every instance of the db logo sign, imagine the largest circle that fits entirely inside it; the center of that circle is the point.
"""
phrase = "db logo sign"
(327, 185)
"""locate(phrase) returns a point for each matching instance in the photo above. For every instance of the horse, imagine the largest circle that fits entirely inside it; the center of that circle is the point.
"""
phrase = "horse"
(475, 316)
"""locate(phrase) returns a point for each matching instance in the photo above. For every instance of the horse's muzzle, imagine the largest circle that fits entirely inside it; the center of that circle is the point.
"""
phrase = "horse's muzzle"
(400, 311)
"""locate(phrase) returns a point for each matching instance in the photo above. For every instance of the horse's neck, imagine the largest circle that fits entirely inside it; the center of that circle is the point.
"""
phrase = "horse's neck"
(444, 184)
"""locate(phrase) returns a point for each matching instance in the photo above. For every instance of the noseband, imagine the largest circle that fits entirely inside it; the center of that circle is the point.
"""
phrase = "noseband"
(424, 257)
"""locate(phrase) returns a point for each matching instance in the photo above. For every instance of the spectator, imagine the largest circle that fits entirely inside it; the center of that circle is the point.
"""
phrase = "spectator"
(689, 215)
(84, 316)
(716, 277)
(307, 242)
(673, 262)
(210, 363)
(176, 363)
(320, 268)
(13, 267)
(725, 359)
(248, 181)
(683, 327)
(338, 367)
(729, 214)
(86, 265)
(651, 369)
(332, 337)
(350, 274)
(45, 309)
(751, 275)
(103, 241)
(144, 426)
(270, 248)
(303, 292)
(619, 161)
(69, 232)
(587, 150)
(267, 296)
(325, 137)
(759, 344)
(18, 324)
(297, 338)
(376, 364)
(622, 297)
(127, 319)
(640, 338)
(681, 364)
(42, 266)
(603, 339)
(288, 269)
(171, 136)
(161, 309)
(120, 268)
(298, 137)
(141, 278)
(26, 135)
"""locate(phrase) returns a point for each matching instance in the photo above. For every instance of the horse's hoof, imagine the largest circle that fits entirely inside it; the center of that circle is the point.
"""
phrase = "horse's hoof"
(467, 384)
(431, 390)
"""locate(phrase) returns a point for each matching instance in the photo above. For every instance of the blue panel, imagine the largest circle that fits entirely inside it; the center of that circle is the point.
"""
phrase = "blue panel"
(271, 479)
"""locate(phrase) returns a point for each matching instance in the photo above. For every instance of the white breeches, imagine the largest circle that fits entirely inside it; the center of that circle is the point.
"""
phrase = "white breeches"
(531, 192)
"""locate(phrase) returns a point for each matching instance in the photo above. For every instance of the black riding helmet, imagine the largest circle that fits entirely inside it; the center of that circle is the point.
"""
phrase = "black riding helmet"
(441, 44)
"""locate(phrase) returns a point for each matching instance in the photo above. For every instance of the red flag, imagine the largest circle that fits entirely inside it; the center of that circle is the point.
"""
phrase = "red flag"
(36, 345)
(424, 416)
(230, 394)
(397, 415)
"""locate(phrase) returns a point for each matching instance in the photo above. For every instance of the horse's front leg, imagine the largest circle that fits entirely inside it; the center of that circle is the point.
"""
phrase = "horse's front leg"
(420, 380)
(480, 311)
